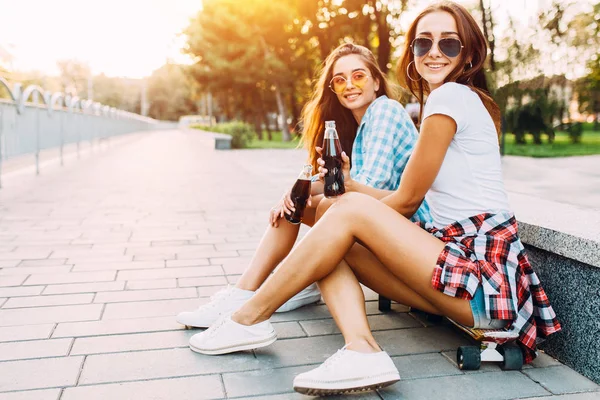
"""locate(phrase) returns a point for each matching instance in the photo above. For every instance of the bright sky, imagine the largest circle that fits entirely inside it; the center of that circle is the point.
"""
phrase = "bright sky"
(126, 37)
(118, 37)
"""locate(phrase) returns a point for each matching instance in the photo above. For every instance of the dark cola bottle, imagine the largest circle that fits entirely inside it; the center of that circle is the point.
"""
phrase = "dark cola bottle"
(300, 194)
(332, 155)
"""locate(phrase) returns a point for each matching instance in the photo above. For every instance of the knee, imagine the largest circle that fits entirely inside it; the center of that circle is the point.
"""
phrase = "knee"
(323, 206)
(352, 203)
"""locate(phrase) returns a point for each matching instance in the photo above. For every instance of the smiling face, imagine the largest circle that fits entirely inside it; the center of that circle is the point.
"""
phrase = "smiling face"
(356, 99)
(435, 66)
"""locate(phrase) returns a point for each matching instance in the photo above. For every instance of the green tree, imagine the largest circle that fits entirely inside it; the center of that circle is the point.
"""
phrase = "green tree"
(171, 93)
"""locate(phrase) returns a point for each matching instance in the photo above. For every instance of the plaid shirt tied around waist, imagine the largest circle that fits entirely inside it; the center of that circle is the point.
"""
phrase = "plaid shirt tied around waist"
(486, 249)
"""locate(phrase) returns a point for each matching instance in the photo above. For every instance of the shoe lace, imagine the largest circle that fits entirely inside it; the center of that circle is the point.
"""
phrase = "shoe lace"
(214, 328)
(217, 298)
(333, 360)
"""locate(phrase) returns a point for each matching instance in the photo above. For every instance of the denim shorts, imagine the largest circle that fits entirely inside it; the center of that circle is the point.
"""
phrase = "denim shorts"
(480, 319)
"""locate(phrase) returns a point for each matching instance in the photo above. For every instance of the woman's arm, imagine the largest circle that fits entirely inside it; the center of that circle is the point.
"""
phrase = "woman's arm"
(424, 164)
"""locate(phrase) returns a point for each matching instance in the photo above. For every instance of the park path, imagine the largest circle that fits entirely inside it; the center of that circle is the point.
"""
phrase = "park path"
(98, 256)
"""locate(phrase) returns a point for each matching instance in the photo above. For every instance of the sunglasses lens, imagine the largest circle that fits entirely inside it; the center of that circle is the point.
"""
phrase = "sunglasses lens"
(421, 46)
(359, 79)
(338, 84)
(450, 47)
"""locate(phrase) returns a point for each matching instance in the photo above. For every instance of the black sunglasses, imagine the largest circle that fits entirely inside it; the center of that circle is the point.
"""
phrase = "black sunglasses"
(451, 47)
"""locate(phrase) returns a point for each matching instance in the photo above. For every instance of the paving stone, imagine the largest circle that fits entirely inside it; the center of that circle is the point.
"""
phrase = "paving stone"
(418, 340)
(121, 367)
(189, 388)
(287, 353)
(169, 243)
(377, 322)
(572, 396)
(318, 311)
(372, 308)
(41, 394)
(561, 380)
(155, 257)
(493, 385)
(34, 349)
(207, 291)
(203, 281)
(132, 342)
(87, 253)
(288, 330)
(206, 254)
(188, 263)
(103, 259)
(12, 280)
(2, 301)
(71, 277)
(15, 333)
(91, 287)
(8, 263)
(184, 272)
(425, 366)
(114, 327)
(249, 245)
(152, 284)
(140, 295)
(261, 382)
(43, 315)
(27, 254)
(53, 300)
(50, 262)
(156, 308)
(36, 270)
(48, 373)
(117, 266)
(187, 249)
(543, 360)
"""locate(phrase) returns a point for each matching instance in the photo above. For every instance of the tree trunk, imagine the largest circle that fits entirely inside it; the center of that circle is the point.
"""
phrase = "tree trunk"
(488, 31)
(383, 32)
(285, 132)
(294, 107)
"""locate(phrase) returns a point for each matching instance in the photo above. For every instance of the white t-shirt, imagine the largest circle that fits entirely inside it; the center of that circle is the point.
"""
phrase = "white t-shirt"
(470, 178)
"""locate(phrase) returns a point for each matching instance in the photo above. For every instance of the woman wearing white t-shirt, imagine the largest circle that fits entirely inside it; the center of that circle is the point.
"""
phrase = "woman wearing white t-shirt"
(468, 265)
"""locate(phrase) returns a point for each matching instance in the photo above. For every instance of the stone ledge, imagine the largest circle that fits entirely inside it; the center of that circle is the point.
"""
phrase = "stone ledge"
(563, 229)
(222, 141)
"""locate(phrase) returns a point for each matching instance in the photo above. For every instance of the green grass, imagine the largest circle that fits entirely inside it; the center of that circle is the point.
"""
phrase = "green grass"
(276, 143)
(562, 146)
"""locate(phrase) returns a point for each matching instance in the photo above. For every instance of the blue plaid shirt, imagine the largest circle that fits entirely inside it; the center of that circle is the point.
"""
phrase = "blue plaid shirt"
(384, 141)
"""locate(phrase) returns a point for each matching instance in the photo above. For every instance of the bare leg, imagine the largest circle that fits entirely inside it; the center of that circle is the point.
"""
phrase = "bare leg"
(274, 246)
(346, 302)
(406, 250)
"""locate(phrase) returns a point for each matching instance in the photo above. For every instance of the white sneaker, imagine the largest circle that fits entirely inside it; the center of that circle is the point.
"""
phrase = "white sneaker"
(348, 371)
(309, 295)
(227, 336)
(224, 302)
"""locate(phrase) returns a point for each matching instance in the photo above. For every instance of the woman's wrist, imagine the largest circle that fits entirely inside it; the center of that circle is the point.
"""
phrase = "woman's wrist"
(349, 185)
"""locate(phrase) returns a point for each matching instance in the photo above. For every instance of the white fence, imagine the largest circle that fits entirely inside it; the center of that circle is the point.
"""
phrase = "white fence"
(32, 120)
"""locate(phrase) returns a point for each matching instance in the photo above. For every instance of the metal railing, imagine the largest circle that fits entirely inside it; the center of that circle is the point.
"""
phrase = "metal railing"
(33, 119)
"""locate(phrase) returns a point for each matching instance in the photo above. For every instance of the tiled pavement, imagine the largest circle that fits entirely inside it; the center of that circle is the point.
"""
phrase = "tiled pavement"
(97, 257)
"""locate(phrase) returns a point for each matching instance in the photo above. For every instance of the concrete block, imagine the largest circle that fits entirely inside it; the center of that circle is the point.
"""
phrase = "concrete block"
(48, 373)
(43, 394)
(44, 315)
(53, 300)
(140, 295)
(184, 272)
(144, 309)
(121, 367)
(561, 380)
(71, 277)
(115, 327)
(29, 332)
(188, 388)
(92, 287)
(151, 284)
(132, 342)
(34, 349)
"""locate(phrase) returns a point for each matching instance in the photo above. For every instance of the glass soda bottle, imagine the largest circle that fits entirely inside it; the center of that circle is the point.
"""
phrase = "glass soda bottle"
(300, 194)
(332, 155)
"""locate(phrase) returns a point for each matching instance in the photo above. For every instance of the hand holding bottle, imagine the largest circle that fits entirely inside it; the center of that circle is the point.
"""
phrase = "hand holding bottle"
(345, 167)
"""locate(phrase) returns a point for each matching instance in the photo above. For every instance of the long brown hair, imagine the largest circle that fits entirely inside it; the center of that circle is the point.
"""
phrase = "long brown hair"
(325, 106)
(475, 47)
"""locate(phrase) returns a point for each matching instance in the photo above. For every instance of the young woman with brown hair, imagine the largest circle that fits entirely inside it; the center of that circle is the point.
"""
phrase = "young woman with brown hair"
(352, 90)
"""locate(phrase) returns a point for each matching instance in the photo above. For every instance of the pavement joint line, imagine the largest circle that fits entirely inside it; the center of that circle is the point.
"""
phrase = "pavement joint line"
(223, 387)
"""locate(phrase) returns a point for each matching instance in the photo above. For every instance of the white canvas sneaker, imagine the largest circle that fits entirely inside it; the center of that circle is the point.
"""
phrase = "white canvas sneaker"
(224, 302)
(348, 371)
(227, 336)
(309, 295)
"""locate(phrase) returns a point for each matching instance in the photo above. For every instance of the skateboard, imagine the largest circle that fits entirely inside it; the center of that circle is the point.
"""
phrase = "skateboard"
(496, 345)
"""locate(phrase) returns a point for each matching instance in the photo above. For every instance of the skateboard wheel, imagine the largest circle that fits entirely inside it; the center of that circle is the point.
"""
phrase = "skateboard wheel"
(385, 304)
(468, 357)
(513, 357)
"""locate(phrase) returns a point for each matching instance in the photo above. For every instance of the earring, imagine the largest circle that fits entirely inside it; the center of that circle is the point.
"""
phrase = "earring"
(470, 65)
(408, 73)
